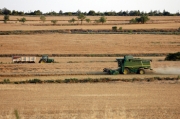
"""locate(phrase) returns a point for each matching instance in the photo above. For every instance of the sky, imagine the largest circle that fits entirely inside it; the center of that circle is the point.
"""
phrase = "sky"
(172, 6)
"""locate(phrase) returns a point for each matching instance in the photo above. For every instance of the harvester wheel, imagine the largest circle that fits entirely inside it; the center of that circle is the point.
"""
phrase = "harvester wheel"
(141, 71)
(126, 71)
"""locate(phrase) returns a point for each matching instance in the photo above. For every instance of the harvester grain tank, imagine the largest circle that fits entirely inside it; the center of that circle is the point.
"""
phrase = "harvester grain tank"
(130, 65)
(46, 59)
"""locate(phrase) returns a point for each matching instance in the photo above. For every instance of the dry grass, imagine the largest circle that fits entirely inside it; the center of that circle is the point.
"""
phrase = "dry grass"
(91, 101)
(168, 22)
(26, 26)
(88, 44)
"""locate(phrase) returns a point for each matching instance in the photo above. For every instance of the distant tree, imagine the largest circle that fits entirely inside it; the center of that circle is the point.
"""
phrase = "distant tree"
(1, 12)
(14, 12)
(43, 18)
(91, 13)
(133, 21)
(78, 12)
(54, 22)
(102, 19)
(5, 11)
(166, 13)
(88, 20)
(72, 20)
(37, 12)
(21, 13)
(144, 19)
(23, 20)
(60, 12)
(6, 18)
(81, 17)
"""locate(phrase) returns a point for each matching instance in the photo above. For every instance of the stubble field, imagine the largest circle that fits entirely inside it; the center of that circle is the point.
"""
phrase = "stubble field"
(113, 100)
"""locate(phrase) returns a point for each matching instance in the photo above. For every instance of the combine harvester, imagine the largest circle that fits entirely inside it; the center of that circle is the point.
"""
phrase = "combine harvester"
(130, 65)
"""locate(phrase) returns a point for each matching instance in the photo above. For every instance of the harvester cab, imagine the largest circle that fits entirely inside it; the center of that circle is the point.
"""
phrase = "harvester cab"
(130, 65)
(45, 59)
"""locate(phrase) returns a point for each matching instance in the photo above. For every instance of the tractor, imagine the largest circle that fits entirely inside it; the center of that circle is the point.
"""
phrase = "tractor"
(45, 59)
(130, 65)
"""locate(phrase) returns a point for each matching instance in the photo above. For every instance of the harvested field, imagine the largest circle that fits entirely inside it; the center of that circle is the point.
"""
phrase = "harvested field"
(81, 67)
(91, 101)
(115, 99)
(88, 44)
(12, 27)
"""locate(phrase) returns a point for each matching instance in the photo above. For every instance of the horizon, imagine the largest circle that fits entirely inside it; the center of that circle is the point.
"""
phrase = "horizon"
(171, 6)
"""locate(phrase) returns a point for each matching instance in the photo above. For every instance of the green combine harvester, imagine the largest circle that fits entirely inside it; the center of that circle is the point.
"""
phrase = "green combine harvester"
(45, 59)
(130, 65)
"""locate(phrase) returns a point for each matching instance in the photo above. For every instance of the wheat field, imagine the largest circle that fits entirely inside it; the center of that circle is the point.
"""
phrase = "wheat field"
(116, 100)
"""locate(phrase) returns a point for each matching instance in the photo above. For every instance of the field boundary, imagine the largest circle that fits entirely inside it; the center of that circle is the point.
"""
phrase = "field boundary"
(89, 55)
(89, 80)
(89, 31)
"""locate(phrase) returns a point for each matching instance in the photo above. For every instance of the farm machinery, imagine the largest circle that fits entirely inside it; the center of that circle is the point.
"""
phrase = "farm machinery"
(31, 59)
(130, 65)
(46, 59)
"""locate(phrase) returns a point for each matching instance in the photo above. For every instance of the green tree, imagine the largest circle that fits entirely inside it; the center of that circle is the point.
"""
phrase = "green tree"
(72, 20)
(6, 18)
(88, 20)
(81, 17)
(133, 21)
(54, 22)
(22, 20)
(91, 13)
(102, 19)
(144, 19)
(43, 18)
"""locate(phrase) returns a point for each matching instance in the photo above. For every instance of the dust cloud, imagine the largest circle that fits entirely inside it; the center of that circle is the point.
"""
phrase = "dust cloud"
(167, 70)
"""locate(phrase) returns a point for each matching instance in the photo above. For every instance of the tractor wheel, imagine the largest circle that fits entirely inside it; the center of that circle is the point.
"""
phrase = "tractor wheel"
(141, 71)
(42, 61)
(126, 71)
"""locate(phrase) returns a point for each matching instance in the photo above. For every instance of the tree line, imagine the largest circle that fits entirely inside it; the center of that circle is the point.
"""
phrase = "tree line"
(5, 11)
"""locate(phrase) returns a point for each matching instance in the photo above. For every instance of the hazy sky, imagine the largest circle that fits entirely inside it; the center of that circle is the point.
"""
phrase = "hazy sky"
(172, 6)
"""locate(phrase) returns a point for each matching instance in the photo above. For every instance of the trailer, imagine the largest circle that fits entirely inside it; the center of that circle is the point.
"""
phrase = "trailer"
(23, 59)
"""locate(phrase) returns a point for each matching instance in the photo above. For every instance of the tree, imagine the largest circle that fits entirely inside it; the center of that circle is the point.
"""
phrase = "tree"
(78, 12)
(144, 18)
(91, 13)
(54, 22)
(43, 18)
(5, 11)
(81, 17)
(6, 18)
(60, 12)
(133, 21)
(102, 19)
(37, 12)
(22, 20)
(72, 20)
(88, 20)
